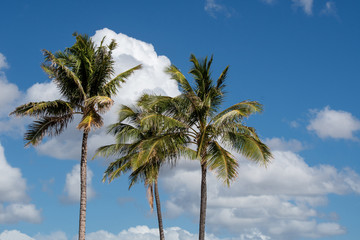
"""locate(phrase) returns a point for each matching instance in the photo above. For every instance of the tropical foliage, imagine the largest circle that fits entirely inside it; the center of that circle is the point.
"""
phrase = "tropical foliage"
(84, 75)
(214, 133)
(142, 150)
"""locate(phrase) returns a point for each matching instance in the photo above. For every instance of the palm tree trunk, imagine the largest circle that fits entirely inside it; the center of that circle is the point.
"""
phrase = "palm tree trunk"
(203, 199)
(158, 209)
(82, 218)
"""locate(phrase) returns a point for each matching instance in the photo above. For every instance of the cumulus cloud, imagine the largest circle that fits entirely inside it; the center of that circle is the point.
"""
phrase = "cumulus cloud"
(280, 201)
(283, 145)
(213, 8)
(12, 184)
(14, 206)
(17, 212)
(72, 186)
(307, 5)
(328, 123)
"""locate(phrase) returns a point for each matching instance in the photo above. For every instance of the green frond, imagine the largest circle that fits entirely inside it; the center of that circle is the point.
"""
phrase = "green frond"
(59, 70)
(237, 112)
(49, 108)
(49, 126)
(221, 161)
(220, 84)
(249, 146)
(180, 78)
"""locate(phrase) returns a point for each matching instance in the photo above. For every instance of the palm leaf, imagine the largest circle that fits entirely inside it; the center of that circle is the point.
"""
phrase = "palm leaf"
(46, 126)
(222, 162)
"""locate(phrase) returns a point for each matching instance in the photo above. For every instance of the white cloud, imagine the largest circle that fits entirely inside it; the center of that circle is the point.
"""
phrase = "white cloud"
(212, 8)
(14, 235)
(133, 233)
(53, 236)
(9, 93)
(13, 194)
(280, 200)
(283, 145)
(72, 185)
(12, 184)
(329, 9)
(42, 92)
(328, 123)
(17, 212)
(307, 5)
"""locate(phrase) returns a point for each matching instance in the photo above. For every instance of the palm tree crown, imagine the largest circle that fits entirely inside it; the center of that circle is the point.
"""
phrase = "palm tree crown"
(142, 150)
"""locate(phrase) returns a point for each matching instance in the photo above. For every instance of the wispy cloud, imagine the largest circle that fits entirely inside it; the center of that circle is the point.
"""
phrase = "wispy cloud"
(329, 9)
(3, 62)
(213, 8)
(307, 5)
(269, 1)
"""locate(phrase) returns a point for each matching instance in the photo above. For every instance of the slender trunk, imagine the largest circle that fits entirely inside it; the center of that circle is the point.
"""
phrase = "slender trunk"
(82, 218)
(158, 209)
(203, 199)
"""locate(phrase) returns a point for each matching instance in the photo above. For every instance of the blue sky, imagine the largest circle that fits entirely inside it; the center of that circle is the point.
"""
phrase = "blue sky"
(299, 58)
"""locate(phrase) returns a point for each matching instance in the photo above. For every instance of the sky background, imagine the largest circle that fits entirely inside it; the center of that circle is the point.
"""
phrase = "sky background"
(299, 58)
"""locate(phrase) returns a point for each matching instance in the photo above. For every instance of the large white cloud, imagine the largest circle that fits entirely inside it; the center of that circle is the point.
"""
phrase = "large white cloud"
(14, 206)
(280, 200)
(72, 185)
(328, 123)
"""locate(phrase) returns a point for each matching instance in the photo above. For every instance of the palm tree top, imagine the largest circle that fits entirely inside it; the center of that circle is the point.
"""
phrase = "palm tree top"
(84, 74)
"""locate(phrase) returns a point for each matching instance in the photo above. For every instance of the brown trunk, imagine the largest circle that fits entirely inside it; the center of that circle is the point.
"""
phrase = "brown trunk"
(158, 209)
(203, 199)
(82, 218)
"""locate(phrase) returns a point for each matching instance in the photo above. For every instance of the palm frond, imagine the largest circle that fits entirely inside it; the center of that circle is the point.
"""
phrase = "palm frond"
(249, 146)
(221, 161)
(58, 69)
(49, 108)
(46, 126)
(237, 112)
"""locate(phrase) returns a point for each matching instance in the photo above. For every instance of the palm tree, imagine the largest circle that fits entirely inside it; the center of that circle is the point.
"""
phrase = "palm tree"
(142, 150)
(83, 74)
(213, 132)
